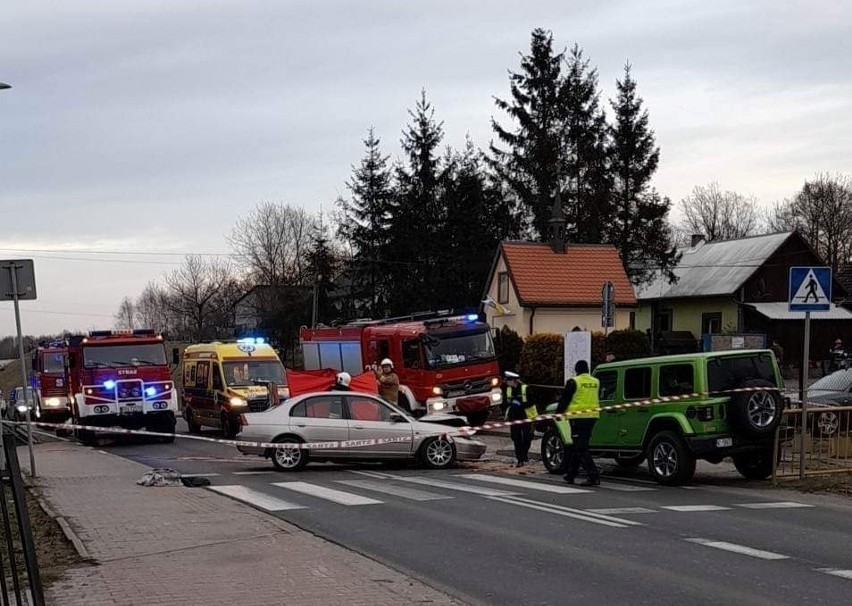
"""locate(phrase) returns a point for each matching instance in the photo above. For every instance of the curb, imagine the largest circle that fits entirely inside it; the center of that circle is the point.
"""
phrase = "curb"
(63, 524)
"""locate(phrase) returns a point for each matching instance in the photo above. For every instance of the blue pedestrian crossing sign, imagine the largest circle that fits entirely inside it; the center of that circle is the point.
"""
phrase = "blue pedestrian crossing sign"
(810, 289)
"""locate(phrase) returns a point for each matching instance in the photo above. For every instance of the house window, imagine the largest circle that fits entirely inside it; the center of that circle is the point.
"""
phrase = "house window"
(711, 324)
(503, 288)
(664, 320)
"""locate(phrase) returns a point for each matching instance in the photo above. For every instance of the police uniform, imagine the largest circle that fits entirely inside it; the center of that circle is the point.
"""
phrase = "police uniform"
(580, 398)
(518, 408)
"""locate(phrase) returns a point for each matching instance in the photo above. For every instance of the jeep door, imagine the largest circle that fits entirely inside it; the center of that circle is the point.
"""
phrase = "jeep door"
(637, 386)
(607, 428)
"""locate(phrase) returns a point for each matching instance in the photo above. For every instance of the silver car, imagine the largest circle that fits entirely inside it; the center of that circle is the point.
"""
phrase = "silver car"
(340, 416)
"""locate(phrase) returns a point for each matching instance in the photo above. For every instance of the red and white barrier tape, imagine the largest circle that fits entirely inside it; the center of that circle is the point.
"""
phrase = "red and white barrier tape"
(288, 445)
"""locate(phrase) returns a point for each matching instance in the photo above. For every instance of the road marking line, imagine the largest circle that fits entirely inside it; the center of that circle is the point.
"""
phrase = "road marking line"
(250, 473)
(397, 491)
(623, 479)
(689, 487)
(622, 510)
(587, 513)
(200, 475)
(778, 505)
(374, 474)
(836, 572)
(689, 508)
(559, 512)
(255, 497)
(522, 483)
(741, 549)
(329, 494)
(480, 490)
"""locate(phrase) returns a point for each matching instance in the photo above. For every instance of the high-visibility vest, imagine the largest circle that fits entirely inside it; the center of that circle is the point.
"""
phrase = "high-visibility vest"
(529, 409)
(585, 403)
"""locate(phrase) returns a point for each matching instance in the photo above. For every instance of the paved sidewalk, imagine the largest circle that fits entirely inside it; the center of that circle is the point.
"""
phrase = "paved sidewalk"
(164, 546)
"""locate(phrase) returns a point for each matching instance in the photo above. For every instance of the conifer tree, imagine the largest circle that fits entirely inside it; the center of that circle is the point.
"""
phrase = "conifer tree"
(638, 225)
(322, 268)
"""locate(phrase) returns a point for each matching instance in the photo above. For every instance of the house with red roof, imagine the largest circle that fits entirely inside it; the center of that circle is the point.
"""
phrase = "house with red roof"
(554, 287)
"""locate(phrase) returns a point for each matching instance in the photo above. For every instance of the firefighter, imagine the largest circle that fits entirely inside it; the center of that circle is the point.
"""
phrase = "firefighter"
(388, 381)
(518, 408)
(580, 397)
(342, 382)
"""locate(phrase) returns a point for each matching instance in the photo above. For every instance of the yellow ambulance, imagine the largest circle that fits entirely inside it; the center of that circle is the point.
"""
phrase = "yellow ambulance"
(222, 380)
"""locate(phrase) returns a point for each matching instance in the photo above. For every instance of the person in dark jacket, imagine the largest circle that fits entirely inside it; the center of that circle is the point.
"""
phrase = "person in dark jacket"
(516, 410)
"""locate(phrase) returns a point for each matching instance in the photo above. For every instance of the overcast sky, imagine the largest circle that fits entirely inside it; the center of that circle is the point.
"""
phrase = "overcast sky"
(152, 125)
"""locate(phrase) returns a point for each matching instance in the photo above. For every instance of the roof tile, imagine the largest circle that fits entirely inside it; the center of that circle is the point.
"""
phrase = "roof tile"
(575, 277)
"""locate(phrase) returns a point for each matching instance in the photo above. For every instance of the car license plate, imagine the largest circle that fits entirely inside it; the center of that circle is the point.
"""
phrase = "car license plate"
(724, 442)
(129, 409)
(455, 394)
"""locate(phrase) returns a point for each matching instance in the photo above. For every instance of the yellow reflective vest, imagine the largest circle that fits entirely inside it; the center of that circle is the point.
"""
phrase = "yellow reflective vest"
(529, 409)
(585, 403)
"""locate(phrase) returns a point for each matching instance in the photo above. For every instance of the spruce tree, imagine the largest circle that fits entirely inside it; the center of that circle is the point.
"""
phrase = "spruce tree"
(322, 268)
(365, 224)
(587, 182)
(417, 216)
(638, 225)
(531, 165)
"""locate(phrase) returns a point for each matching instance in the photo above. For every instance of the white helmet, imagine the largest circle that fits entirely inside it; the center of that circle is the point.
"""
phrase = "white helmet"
(344, 378)
(387, 362)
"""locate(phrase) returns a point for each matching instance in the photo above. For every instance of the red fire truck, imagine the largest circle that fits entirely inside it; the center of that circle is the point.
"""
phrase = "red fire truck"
(121, 378)
(50, 379)
(445, 363)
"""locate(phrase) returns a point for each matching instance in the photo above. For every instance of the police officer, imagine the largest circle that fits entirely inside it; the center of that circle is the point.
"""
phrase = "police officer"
(580, 397)
(519, 408)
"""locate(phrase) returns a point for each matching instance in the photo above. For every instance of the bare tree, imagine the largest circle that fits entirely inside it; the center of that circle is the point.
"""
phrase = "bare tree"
(194, 292)
(153, 311)
(126, 316)
(822, 212)
(273, 242)
(718, 215)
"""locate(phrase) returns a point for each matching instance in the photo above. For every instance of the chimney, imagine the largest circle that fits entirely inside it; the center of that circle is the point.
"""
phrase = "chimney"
(696, 240)
(557, 225)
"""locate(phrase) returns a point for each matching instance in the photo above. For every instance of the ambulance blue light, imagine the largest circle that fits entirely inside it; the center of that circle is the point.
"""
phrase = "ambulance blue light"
(109, 384)
(472, 317)
(259, 341)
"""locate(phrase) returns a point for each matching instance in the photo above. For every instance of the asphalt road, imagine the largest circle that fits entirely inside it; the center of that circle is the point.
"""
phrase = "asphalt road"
(491, 536)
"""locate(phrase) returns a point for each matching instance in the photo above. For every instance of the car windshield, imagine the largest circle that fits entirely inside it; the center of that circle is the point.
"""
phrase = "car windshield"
(836, 381)
(447, 349)
(246, 372)
(53, 363)
(113, 356)
(728, 372)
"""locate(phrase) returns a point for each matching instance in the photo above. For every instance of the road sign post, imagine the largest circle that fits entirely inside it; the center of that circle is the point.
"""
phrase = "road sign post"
(18, 282)
(608, 307)
(810, 290)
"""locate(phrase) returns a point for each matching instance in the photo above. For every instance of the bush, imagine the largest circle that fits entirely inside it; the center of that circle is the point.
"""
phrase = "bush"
(542, 364)
(628, 344)
(509, 346)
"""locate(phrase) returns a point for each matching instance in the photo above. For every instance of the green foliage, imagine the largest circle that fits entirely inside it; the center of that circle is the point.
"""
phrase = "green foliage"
(542, 364)
(628, 344)
(509, 346)
(599, 348)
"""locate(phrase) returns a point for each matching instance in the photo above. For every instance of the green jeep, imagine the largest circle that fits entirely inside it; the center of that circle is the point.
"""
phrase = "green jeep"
(673, 435)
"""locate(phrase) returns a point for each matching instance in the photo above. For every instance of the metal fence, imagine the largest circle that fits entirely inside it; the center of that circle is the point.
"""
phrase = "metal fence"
(818, 444)
(20, 581)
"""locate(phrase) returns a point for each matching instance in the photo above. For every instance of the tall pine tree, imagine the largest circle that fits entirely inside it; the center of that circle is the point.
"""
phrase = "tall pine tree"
(531, 166)
(587, 181)
(638, 225)
(365, 225)
(322, 268)
(417, 216)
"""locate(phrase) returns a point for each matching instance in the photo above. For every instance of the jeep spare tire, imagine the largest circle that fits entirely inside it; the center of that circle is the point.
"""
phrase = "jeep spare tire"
(757, 413)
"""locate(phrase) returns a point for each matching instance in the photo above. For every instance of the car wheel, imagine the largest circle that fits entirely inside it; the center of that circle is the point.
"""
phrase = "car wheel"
(629, 461)
(553, 451)
(669, 459)
(191, 423)
(756, 413)
(437, 453)
(827, 424)
(229, 428)
(289, 459)
(475, 419)
(754, 465)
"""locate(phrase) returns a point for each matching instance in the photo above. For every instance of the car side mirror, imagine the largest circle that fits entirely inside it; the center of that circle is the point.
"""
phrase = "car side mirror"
(175, 356)
(395, 417)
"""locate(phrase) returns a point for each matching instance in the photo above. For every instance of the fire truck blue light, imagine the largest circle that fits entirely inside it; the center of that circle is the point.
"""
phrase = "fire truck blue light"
(109, 384)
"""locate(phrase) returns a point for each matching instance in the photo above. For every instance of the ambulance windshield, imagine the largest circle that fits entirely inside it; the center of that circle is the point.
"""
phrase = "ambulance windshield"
(245, 373)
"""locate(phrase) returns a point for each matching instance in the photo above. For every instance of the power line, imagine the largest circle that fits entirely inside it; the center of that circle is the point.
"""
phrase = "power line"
(91, 251)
